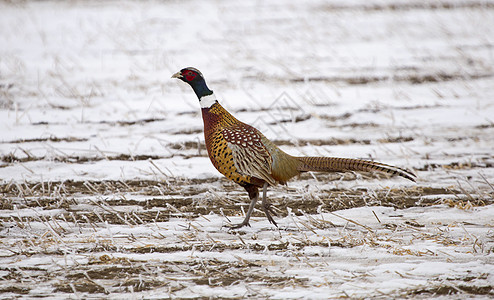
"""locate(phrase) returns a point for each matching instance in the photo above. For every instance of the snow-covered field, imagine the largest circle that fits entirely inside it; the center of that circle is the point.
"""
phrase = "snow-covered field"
(107, 191)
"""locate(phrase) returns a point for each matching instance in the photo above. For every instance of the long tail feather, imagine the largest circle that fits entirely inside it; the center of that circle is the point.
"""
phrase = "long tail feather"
(335, 164)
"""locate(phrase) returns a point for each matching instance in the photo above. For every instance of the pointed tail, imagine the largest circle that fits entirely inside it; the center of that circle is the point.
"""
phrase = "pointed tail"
(335, 164)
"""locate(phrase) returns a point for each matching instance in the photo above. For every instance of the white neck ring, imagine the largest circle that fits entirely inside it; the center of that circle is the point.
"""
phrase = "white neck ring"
(207, 101)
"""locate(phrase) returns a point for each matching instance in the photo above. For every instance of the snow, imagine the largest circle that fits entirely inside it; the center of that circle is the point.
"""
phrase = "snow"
(107, 191)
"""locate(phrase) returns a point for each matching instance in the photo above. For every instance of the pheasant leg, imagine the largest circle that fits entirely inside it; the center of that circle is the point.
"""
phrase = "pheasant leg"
(266, 205)
(254, 196)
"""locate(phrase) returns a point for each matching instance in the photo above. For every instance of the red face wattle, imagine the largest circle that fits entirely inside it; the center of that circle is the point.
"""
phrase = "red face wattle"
(189, 75)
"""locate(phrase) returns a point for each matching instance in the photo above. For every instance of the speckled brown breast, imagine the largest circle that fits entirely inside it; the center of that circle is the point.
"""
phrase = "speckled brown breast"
(216, 118)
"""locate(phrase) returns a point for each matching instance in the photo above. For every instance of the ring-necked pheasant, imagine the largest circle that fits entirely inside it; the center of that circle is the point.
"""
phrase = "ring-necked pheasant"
(244, 155)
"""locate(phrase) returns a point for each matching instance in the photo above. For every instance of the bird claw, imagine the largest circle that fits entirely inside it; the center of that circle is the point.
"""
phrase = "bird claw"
(271, 220)
(268, 210)
(236, 226)
(268, 207)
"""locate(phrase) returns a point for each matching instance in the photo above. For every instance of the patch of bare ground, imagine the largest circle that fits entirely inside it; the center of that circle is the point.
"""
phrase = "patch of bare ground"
(411, 5)
(11, 158)
(47, 139)
(485, 162)
(338, 199)
(453, 288)
(137, 276)
(168, 186)
(336, 141)
(112, 123)
(414, 78)
(157, 201)
(14, 289)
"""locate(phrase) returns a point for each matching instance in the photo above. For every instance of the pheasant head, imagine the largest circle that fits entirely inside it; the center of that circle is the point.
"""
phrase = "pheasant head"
(194, 78)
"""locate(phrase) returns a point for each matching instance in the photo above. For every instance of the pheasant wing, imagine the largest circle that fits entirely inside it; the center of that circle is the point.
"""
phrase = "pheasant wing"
(250, 156)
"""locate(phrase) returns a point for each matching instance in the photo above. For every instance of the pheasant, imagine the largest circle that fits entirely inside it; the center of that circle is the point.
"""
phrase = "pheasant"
(243, 154)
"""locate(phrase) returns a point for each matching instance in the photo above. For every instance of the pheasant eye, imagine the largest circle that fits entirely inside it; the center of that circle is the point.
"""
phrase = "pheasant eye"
(189, 75)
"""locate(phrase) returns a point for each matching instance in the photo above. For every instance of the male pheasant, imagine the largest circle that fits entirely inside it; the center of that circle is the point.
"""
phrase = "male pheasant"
(244, 155)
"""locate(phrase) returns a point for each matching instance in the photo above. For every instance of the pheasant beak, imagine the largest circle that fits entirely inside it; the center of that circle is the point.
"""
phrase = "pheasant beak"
(178, 75)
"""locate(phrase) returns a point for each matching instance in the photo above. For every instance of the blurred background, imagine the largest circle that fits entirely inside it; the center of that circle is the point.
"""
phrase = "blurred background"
(418, 73)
